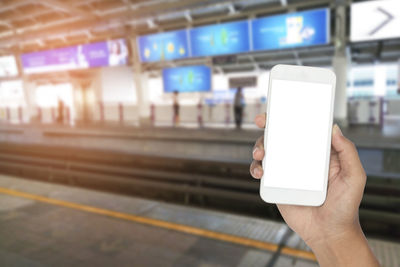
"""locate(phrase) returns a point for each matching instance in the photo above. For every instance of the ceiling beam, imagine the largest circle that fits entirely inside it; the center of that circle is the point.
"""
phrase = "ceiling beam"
(37, 12)
(232, 9)
(188, 16)
(251, 13)
(88, 22)
(297, 58)
(61, 6)
(124, 17)
(13, 5)
(151, 24)
(7, 24)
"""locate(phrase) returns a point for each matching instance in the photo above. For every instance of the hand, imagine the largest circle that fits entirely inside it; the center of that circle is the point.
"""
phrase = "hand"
(337, 219)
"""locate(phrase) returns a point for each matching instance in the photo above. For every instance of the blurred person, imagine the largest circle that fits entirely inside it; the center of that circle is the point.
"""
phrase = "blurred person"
(238, 104)
(175, 107)
(117, 54)
(200, 112)
(332, 230)
(60, 107)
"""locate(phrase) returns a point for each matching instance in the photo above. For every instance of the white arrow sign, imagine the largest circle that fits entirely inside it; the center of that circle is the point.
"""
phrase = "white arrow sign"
(398, 79)
(374, 20)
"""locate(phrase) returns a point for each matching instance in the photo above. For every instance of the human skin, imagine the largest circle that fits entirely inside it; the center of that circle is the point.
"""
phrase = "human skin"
(332, 230)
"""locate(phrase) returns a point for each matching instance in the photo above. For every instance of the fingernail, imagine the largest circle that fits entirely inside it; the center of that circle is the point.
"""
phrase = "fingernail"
(336, 129)
(255, 150)
(257, 172)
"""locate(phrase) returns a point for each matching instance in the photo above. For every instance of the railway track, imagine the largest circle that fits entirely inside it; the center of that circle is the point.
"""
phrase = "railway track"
(219, 185)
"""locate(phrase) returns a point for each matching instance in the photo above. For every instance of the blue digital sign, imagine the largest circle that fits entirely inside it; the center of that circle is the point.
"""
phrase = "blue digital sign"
(220, 39)
(163, 46)
(305, 28)
(187, 79)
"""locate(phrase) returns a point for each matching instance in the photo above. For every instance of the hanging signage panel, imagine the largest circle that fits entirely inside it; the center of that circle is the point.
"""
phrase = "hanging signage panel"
(187, 79)
(248, 81)
(220, 39)
(8, 66)
(163, 46)
(374, 20)
(101, 54)
(306, 28)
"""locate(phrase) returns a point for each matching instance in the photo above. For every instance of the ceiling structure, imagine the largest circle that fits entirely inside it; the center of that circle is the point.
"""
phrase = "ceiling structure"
(34, 25)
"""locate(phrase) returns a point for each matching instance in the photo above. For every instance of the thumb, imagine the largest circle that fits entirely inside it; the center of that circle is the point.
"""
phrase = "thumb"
(348, 155)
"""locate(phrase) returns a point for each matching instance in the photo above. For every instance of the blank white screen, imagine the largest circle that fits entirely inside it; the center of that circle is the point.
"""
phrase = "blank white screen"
(298, 132)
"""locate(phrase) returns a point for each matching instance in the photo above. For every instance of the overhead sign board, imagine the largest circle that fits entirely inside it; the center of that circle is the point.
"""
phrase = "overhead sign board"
(374, 20)
(248, 81)
(228, 59)
(220, 39)
(101, 54)
(8, 66)
(398, 78)
(187, 79)
(163, 46)
(220, 96)
(11, 90)
(304, 28)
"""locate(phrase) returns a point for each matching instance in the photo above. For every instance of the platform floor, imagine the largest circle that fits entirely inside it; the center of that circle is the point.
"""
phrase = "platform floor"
(45, 224)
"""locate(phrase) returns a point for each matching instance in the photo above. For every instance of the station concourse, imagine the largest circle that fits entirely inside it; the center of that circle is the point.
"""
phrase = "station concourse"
(127, 127)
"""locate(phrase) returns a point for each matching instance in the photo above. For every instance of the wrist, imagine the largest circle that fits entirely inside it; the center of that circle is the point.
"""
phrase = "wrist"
(348, 247)
(335, 237)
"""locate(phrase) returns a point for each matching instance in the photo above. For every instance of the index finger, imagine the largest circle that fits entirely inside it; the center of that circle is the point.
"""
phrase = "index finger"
(260, 120)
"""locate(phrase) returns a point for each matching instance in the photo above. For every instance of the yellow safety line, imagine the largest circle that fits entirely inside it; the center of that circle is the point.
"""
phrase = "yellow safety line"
(298, 253)
(163, 224)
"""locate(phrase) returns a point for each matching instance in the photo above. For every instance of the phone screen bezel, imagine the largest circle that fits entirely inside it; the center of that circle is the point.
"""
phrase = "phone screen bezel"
(299, 196)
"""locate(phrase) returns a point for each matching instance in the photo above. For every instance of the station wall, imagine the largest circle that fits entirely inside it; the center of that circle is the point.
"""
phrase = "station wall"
(118, 85)
(115, 90)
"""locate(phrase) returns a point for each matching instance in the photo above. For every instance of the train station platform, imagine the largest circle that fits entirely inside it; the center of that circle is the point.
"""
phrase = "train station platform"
(365, 136)
(217, 144)
(44, 224)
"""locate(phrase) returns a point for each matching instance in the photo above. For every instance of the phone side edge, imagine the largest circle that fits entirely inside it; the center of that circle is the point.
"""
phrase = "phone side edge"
(267, 111)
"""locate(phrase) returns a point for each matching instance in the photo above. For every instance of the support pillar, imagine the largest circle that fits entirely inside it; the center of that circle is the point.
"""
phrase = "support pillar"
(29, 96)
(140, 80)
(341, 63)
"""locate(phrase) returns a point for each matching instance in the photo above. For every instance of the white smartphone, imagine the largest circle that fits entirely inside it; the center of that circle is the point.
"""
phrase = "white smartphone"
(297, 137)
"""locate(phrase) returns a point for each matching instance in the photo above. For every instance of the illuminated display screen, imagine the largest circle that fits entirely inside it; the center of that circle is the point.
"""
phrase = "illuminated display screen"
(101, 54)
(305, 28)
(374, 20)
(220, 39)
(163, 46)
(187, 79)
(8, 66)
